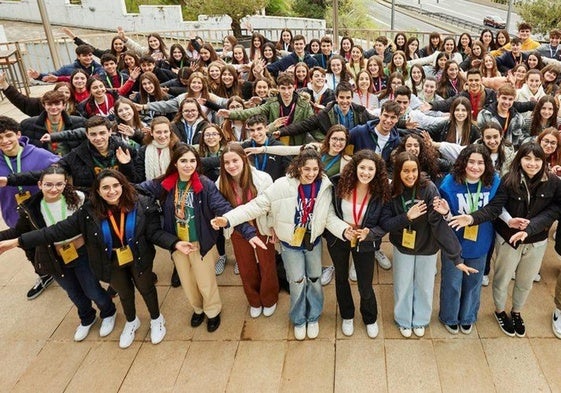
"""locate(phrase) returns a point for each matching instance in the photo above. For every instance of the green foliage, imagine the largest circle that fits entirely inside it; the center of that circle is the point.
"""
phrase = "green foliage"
(543, 15)
(353, 14)
(309, 8)
(279, 7)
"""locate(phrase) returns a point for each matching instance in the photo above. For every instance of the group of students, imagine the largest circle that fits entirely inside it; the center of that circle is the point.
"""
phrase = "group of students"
(288, 149)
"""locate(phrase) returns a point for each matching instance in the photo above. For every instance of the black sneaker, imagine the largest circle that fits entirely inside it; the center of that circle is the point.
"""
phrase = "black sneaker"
(505, 323)
(175, 282)
(466, 329)
(518, 322)
(40, 285)
(197, 319)
(452, 329)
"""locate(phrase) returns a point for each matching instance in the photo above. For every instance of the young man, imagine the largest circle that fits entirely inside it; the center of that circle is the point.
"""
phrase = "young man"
(53, 119)
(110, 76)
(505, 115)
(84, 61)
(511, 58)
(148, 64)
(526, 42)
(299, 55)
(287, 108)
(381, 48)
(326, 46)
(274, 165)
(20, 156)
(552, 50)
(342, 111)
(320, 93)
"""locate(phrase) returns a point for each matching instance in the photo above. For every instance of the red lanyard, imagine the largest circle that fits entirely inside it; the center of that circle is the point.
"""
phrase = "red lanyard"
(120, 232)
(357, 216)
(290, 112)
(307, 208)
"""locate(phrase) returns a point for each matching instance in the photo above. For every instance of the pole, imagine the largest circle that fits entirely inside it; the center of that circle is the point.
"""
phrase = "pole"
(392, 23)
(49, 34)
(336, 23)
(507, 27)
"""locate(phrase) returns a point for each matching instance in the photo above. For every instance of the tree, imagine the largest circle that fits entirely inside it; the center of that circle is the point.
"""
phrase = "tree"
(309, 8)
(543, 15)
(235, 9)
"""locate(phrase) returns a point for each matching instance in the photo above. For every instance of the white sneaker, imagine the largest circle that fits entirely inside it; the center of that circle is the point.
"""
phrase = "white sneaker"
(236, 269)
(254, 312)
(352, 272)
(348, 327)
(372, 330)
(300, 332)
(327, 274)
(83, 331)
(419, 331)
(405, 332)
(538, 277)
(157, 329)
(107, 325)
(556, 323)
(268, 311)
(485, 281)
(383, 260)
(127, 336)
(313, 329)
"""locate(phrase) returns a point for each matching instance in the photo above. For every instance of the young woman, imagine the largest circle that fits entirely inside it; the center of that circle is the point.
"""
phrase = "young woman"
(500, 150)
(207, 55)
(544, 116)
(240, 61)
(189, 202)
(488, 67)
(417, 231)
(439, 64)
(67, 261)
(100, 101)
(416, 79)
(472, 183)
(189, 121)
(128, 124)
(550, 73)
(398, 64)
(459, 129)
(150, 91)
(360, 192)
(531, 90)
(234, 130)
(336, 72)
(78, 82)
(211, 144)
(345, 47)
(428, 94)
(299, 206)
(517, 76)
(256, 50)
(214, 70)
(429, 162)
(240, 182)
(464, 45)
(229, 85)
(435, 42)
(301, 75)
(121, 254)
(320, 94)
(157, 48)
(177, 58)
(400, 41)
(501, 39)
(270, 53)
(363, 94)
(527, 195)
(534, 61)
(550, 140)
(357, 62)
(228, 44)
(394, 81)
(475, 57)
(376, 69)
(487, 39)
(285, 41)
(314, 46)
(451, 82)
(412, 48)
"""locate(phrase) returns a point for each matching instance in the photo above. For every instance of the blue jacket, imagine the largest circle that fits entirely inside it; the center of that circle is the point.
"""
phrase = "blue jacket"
(363, 136)
(208, 203)
(66, 70)
(457, 197)
(287, 61)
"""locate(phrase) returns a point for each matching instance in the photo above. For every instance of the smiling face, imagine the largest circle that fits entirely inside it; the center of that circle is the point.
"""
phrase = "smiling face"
(258, 132)
(268, 52)
(130, 61)
(452, 71)
(416, 75)
(125, 112)
(214, 72)
(110, 190)
(429, 87)
(531, 165)
(238, 54)
(204, 54)
(118, 45)
(449, 45)
(314, 47)
(9, 142)
(233, 164)
(196, 85)
(409, 173)
(505, 102)
(344, 99)
(412, 146)
(99, 137)
(546, 110)
(190, 112)
(148, 86)
(549, 76)
(301, 73)
(186, 165)
(486, 38)
(492, 139)
(55, 108)
(261, 89)
(488, 61)
(549, 144)
(309, 171)
(97, 89)
(85, 59)
(388, 120)
(532, 61)
(177, 54)
(363, 81)
(356, 54)
(365, 171)
(460, 113)
(346, 45)
(373, 68)
(475, 167)
(534, 81)
(336, 66)
(227, 78)
(318, 79)
(161, 134)
(400, 40)
(52, 186)
(501, 39)
(398, 60)
(66, 91)
(413, 46)
(337, 143)
(153, 43)
(211, 138)
(474, 82)
(79, 81)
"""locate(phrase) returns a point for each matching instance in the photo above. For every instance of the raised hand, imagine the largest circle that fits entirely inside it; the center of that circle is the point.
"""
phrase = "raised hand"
(417, 210)
(123, 155)
(441, 206)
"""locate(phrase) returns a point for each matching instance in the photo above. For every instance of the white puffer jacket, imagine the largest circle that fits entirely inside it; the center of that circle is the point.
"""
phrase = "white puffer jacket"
(262, 181)
(280, 201)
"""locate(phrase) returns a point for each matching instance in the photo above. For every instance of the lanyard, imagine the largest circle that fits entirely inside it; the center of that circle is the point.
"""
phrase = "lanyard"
(331, 162)
(507, 118)
(50, 217)
(104, 114)
(111, 83)
(472, 203)
(411, 201)
(120, 232)
(49, 126)
(265, 157)
(180, 199)
(188, 132)
(360, 95)
(290, 112)
(357, 216)
(307, 208)
(18, 165)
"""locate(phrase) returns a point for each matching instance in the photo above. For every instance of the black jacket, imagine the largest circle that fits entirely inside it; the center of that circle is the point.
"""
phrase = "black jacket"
(34, 128)
(148, 231)
(371, 221)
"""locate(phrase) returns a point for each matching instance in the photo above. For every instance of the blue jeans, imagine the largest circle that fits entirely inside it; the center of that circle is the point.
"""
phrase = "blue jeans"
(459, 293)
(413, 285)
(303, 271)
(83, 287)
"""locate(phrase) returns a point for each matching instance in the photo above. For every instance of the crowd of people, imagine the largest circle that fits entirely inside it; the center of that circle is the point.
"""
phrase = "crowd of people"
(284, 148)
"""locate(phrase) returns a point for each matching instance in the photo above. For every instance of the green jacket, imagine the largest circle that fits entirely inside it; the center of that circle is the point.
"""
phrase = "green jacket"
(271, 109)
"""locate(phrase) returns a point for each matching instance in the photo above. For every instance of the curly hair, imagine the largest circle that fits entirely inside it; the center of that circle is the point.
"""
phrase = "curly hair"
(378, 186)
(459, 168)
(428, 156)
(306, 153)
(69, 193)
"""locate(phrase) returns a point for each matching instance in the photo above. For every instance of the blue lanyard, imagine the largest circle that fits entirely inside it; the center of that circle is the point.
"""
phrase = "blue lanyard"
(188, 132)
(130, 224)
(333, 161)
(265, 157)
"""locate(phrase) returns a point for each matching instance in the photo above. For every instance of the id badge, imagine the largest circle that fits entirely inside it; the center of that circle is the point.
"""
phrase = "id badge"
(285, 140)
(408, 238)
(183, 231)
(354, 241)
(124, 256)
(22, 197)
(298, 237)
(68, 253)
(470, 232)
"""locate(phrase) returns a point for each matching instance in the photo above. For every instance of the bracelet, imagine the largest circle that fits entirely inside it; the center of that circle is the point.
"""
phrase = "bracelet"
(445, 214)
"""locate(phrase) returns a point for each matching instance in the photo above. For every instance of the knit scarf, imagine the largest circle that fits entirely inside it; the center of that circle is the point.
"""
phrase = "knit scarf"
(157, 160)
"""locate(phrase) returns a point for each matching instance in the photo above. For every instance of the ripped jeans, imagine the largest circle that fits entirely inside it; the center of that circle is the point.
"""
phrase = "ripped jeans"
(303, 272)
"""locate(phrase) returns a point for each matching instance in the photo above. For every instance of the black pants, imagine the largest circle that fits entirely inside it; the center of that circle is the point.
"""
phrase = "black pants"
(125, 279)
(364, 265)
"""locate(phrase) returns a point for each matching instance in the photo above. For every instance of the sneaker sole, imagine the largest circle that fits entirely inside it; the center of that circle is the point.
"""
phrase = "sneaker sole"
(556, 333)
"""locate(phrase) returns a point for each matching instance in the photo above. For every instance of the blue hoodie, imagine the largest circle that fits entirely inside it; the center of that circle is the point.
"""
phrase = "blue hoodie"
(364, 137)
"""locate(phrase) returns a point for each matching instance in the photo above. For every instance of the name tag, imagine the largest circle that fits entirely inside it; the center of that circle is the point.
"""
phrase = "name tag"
(354, 241)
(124, 256)
(22, 197)
(68, 253)
(470, 232)
(183, 231)
(298, 237)
(408, 238)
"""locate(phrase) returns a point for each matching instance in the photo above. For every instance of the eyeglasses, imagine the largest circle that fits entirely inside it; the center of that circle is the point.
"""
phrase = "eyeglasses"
(211, 134)
(550, 143)
(342, 140)
(50, 186)
(190, 111)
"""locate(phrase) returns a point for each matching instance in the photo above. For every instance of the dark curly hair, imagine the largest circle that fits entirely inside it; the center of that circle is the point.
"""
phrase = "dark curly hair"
(306, 153)
(379, 186)
(459, 169)
(428, 156)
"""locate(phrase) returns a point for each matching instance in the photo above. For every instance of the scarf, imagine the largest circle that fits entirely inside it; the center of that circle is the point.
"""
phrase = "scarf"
(156, 161)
